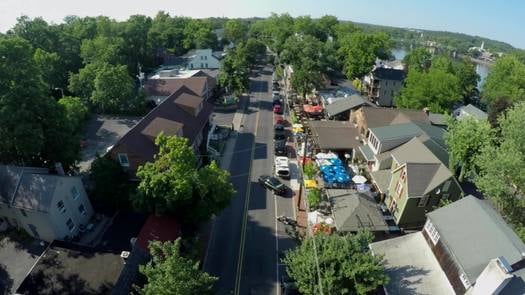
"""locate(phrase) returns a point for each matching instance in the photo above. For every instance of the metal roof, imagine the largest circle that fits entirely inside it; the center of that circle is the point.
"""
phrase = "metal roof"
(475, 233)
(334, 135)
(346, 104)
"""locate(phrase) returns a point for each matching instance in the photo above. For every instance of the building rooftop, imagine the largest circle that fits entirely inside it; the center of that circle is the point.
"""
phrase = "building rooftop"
(379, 117)
(165, 87)
(101, 133)
(411, 266)
(73, 270)
(334, 135)
(408, 131)
(469, 226)
(355, 211)
(345, 104)
(158, 228)
(388, 74)
(470, 111)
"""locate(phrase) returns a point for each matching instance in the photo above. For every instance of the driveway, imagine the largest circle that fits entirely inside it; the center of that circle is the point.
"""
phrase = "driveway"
(18, 254)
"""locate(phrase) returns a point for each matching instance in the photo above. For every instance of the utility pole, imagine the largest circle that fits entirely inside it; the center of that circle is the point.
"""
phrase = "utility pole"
(303, 162)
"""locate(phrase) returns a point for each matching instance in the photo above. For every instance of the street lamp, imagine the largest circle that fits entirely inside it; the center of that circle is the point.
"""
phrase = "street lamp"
(61, 91)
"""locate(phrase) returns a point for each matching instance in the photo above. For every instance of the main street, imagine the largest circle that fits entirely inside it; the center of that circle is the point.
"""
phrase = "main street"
(246, 239)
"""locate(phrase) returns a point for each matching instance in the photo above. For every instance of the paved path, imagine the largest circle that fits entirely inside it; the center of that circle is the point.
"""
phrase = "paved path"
(246, 239)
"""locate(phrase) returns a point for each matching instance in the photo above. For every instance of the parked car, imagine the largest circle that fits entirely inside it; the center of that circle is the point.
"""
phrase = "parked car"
(276, 100)
(282, 167)
(279, 135)
(276, 92)
(278, 127)
(280, 147)
(277, 109)
(273, 184)
(275, 86)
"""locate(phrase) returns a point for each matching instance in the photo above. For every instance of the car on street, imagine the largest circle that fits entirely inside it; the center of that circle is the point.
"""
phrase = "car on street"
(280, 147)
(278, 127)
(282, 167)
(276, 100)
(276, 92)
(275, 86)
(277, 109)
(279, 135)
(273, 184)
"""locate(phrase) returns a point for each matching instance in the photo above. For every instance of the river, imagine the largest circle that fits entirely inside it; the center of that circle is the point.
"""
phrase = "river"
(481, 69)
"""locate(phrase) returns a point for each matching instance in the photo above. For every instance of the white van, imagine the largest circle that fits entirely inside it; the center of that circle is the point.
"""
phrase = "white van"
(282, 167)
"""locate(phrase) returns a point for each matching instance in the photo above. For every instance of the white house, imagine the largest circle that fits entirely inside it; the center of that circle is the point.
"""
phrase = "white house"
(47, 206)
(202, 59)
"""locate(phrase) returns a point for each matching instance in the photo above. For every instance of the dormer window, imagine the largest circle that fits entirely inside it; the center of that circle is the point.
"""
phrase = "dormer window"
(123, 160)
(432, 232)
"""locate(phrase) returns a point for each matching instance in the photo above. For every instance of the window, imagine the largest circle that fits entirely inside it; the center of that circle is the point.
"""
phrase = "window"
(123, 159)
(23, 212)
(70, 224)
(432, 232)
(464, 280)
(61, 207)
(403, 175)
(202, 65)
(191, 66)
(446, 186)
(399, 189)
(423, 201)
(205, 57)
(206, 65)
(75, 193)
(202, 57)
(82, 210)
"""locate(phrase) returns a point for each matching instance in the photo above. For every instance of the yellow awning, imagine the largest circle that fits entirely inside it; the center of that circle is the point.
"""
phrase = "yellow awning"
(310, 183)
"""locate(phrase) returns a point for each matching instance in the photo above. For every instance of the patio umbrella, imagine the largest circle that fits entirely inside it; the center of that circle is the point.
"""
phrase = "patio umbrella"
(359, 179)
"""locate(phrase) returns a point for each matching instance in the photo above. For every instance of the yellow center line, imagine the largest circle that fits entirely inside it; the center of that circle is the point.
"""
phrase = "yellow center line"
(246, 204)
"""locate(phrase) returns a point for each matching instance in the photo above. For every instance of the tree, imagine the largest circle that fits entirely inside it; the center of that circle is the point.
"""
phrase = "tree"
(76, 111)
(111, 184)
(199, 34)
(113, 89)
(498, 178)
(359, 51)
(496, 109)
(506, 79)
(309, 170)
(234, 70)
(235, 30)
(305, 80)
(172, 184)
(136, 51)
(345, 265)
(102, 50)
(49, 65)
(464, 139)
(465, 71)
(167, 33)
(314, 198)
(254, 49)
(34, 128)
(169, 272)
(436, 89)
(83, 83)
(327, 26)
(418, 59)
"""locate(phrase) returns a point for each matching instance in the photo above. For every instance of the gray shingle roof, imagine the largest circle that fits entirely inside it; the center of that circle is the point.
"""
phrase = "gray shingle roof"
(424, 177)
(355, 211)
(9, 177)
(346, 104)
(389, 74)
(475, 233)
(472, 111)
(379, 117)
(334, 135)
(409, 130)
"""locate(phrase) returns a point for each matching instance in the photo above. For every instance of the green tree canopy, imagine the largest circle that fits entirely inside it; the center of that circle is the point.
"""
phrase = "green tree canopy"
(235, 70)
(76, 111)
(464, 139)
(199, 34)
(499, 177)
(111, 184)
(346, 266)
(113, 91)
(506, 79)
(436, 89)
(102, 50)
(169, 272)
(33, 127)
(172, 184)
(418, 59)
(359, 51)
(235, 30)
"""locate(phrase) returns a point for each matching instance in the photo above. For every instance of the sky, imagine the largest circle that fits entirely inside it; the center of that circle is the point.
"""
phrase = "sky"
(499, 20)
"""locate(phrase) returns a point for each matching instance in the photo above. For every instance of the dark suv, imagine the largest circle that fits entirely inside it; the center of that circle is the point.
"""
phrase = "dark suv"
(273, 184)
(280, 147)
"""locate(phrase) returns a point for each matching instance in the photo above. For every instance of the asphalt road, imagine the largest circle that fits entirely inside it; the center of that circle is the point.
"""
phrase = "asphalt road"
(246, 240)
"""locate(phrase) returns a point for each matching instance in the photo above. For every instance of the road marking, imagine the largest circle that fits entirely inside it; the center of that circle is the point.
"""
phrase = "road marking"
(276, 247)
(246, 204)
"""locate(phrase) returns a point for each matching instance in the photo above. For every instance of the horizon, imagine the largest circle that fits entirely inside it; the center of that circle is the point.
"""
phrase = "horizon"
(467, 17)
